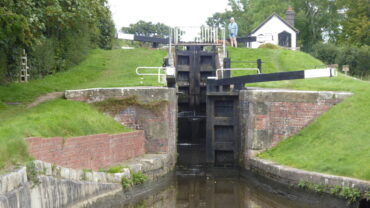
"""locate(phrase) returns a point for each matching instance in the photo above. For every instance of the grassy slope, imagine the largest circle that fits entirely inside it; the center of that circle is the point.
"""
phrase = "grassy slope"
(68, 118)
(337, 142)
(101, 69)
(54, 118)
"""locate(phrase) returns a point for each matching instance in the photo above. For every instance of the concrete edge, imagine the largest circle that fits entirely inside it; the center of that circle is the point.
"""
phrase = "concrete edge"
(298, 91)
(13, 180)
(153, 166)
(292, 176)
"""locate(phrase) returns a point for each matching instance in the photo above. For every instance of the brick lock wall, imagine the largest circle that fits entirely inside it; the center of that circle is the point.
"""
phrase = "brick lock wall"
(88, 152)
(284, 119)
(268, 116)
(153, 124)
(160, 127)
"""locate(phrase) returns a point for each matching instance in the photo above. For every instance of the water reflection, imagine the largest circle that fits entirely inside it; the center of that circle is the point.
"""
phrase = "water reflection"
(197, 186)
(194, 192)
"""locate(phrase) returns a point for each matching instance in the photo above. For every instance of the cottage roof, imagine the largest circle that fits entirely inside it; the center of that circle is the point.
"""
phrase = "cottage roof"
(269, 18)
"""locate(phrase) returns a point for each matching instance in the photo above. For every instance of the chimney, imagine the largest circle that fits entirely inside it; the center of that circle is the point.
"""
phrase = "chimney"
(290, 16)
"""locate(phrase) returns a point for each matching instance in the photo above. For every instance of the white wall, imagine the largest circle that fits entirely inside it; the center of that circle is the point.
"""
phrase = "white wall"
(273, 27)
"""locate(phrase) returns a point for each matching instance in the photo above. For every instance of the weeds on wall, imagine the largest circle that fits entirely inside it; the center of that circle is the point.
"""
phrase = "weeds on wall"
(350, 194)
(32, 174)
(115, 105)
(136, 179)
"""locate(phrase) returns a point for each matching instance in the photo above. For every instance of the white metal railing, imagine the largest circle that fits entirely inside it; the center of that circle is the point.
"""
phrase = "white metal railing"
(190, 34)
(235, 69)
(197, 35)
(161, 76)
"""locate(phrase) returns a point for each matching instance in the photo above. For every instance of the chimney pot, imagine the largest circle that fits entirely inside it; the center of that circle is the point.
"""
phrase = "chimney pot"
(290, 16)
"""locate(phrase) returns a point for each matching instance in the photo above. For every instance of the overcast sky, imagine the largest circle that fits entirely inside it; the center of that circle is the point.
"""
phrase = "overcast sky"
(169, 12)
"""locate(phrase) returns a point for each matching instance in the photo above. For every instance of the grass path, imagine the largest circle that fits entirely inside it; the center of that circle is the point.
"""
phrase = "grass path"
(45, 98)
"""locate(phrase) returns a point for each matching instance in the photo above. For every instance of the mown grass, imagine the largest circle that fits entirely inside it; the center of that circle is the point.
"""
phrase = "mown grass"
(114, 68)
(274, 60)
(54, 118)
(338, 142)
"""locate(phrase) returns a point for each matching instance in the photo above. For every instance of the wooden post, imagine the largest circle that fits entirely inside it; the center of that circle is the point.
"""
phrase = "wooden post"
(345, 69)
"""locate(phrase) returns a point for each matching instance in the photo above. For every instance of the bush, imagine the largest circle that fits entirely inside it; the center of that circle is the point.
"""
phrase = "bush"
(269, 45)
(55, 35)
(326, 52)
(126, 183)
(3, 67)
(356, 57)
(139, 178)
(42, 59)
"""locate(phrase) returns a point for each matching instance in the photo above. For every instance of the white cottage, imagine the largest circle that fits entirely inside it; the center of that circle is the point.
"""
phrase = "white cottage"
(276, 30)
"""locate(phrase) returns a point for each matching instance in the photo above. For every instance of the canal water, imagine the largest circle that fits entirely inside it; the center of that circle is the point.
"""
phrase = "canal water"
(194, 185)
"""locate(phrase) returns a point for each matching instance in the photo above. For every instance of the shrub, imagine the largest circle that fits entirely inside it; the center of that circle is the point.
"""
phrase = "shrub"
(126, 183)
(269, 45)
(3, 66)
(357, 58)
(32, 174)
(42, 59)
(326, 52)
(350, 194)
(52, 44)
(139, 178)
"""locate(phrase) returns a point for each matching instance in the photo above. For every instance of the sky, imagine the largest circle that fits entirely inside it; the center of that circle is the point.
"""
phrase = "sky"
(169, 12)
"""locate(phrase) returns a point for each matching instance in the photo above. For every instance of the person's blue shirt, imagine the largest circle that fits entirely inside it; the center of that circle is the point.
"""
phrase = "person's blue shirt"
(233, 29)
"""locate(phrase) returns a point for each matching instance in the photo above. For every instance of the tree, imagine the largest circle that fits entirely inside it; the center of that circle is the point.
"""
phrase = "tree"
(314, 18)
(55, 33)
(356, 25)
(147, 29)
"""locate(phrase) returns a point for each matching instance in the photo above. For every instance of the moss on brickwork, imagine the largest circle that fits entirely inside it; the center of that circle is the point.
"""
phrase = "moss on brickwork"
(115, 105)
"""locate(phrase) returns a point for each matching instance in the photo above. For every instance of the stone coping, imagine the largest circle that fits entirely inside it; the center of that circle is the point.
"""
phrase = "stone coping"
(143, 94)
(293, 176)
(151, 165)
(123, 88)
(297, 91)
(13, 180)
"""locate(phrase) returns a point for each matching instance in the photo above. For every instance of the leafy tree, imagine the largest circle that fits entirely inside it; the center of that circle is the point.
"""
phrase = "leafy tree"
(55, 33)
(144, 28)
(356, 27)
(314, 18)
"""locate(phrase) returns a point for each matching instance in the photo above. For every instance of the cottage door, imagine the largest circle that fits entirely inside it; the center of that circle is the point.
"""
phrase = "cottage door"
(285, 39)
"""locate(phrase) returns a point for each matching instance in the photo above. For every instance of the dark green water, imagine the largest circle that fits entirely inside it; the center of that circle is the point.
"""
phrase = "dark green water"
(215, 192)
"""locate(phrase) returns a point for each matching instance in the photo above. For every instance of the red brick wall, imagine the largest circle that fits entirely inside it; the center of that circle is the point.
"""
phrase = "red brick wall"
(88, 152)
(284, 119)
(154, 125)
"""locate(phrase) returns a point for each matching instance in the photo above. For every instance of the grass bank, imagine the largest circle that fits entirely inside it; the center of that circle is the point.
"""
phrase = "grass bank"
(338, 142)
(54, 118)
(64, 118)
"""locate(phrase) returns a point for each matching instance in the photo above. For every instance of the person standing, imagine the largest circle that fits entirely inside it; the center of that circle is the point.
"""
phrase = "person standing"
(233, 31)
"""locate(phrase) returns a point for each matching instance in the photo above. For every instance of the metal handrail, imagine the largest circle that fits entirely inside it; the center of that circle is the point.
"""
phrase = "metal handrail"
(237, 69)
(159, 74)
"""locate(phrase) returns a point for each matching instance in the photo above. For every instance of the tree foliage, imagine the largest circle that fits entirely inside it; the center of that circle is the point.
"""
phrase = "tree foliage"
(55, 33)
(316, 20)
(356, 27)
(144, 28)
(343, 24)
